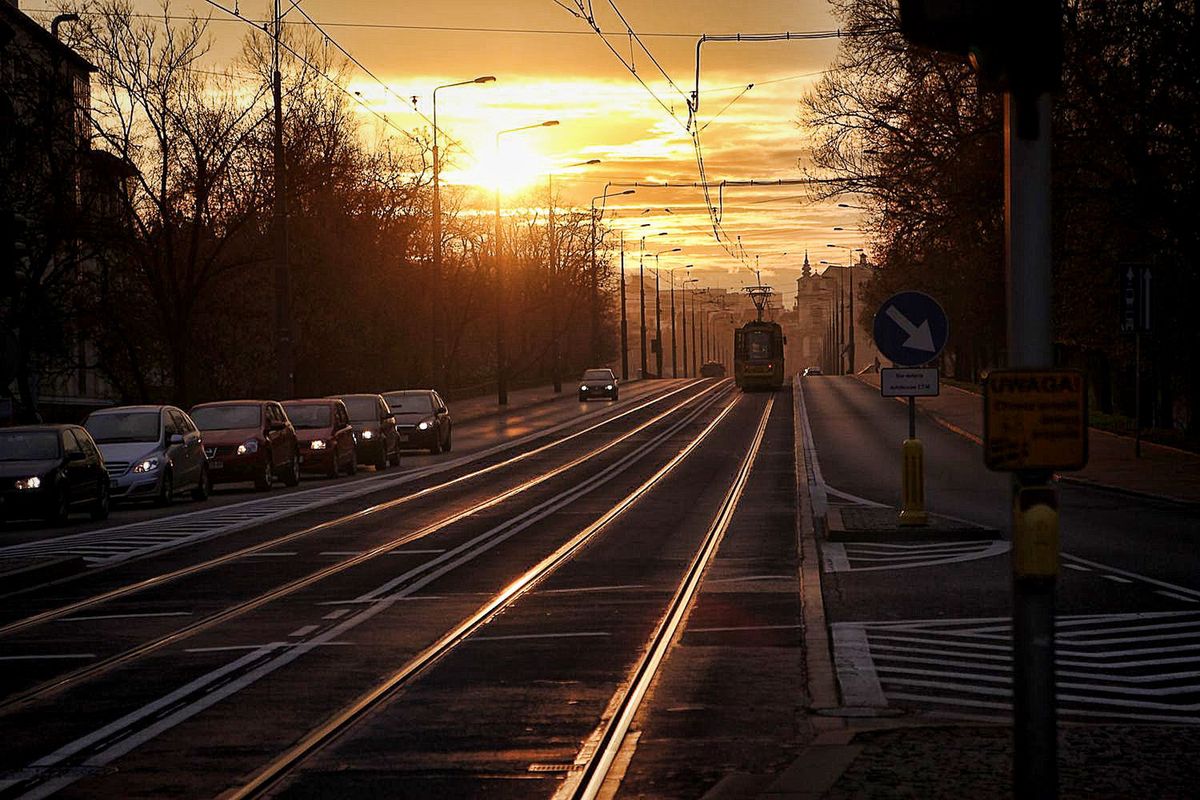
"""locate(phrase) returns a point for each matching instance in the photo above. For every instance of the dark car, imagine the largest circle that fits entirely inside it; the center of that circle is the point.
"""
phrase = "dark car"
(375, 427)
(598, 383)
(712, 369)
(422, 419)
(48, 471)
(150, 452)
(325, 436)
(248, 440)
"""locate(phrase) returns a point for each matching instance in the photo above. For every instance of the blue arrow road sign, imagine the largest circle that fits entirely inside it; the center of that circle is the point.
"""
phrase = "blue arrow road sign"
(910, 329)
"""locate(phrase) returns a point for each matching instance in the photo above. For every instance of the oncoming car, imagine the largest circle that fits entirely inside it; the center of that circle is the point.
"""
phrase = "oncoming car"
(150, 452)
(422, 419)
(598, 383)
(712, 369)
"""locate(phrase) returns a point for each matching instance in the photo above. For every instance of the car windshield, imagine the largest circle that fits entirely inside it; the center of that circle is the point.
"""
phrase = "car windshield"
(362, 409)
(28, 445)
(124, 426)
(226, 418)
(598, 375)
(415, 403)
(304, 415)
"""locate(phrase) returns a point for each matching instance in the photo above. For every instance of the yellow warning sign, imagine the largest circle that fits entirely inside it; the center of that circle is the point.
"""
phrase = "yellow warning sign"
(1034, 420)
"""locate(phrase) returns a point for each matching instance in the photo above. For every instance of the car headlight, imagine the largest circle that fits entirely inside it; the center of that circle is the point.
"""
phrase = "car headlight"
(608, 388)
(250, 446)
(424, 426)
(29, 483)
(368, 434)
(317, 444)
(145, 465)
(583, 388)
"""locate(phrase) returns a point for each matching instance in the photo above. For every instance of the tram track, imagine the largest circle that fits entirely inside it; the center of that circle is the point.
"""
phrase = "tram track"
(275, 772)
(114, 741)
(67, 680)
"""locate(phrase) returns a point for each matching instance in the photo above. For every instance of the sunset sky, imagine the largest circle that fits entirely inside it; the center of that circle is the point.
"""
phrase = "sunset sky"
(550, 65)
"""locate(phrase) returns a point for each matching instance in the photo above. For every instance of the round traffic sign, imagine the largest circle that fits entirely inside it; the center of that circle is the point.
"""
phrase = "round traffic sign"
(910, 329)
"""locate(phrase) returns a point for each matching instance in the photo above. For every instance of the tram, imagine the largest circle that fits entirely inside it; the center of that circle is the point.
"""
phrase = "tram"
(758, 348)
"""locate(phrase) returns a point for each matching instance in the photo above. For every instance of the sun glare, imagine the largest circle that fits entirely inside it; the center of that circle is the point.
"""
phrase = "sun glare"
(516, 168)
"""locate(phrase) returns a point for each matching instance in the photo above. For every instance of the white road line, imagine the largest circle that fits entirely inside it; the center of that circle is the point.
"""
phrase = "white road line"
(1175, 596)
(853, 498)
(341, 612)
(1116, 578)
(855, 667)
(515, 637)
(341, 552)
(277, 645)
(582, 589)
(1134, 575)
(47, 656)
(755, 578)
(271, 555)
(305, 631)
(1078, 567)
(430, 552)
(746, 628)
(126, 616)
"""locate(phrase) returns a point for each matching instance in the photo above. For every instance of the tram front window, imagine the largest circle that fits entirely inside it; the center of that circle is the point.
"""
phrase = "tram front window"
(758, 344)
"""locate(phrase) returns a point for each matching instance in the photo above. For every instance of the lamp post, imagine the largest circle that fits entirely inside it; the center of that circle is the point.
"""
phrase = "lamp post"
(658, 354)
(839, 319)
(436, 296)
(850, 269)
(595, 280)
(555, 359)
(501, 309)
(624, 311)
(642, 291)
(685, 333)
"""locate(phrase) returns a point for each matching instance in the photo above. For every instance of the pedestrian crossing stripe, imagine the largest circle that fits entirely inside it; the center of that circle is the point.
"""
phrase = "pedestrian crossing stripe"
(874, 556)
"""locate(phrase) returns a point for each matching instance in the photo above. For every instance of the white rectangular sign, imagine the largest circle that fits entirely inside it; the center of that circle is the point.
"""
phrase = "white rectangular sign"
(909, 382)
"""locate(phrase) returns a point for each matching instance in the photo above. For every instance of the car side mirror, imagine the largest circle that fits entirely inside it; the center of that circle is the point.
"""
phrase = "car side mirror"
(389, 415)
(442, 410)
(175, 438)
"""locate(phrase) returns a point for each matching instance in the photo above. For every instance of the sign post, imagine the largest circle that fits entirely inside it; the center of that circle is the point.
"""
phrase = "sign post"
(910, 330)
(1135, 319)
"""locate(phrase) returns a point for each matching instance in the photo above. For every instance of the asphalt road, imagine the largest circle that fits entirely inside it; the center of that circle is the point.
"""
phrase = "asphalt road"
(185, 671)
(927, 622)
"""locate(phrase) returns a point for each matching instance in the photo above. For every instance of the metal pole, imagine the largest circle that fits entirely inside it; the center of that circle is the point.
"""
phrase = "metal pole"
(1028, 257)
(674, 363)
(285, 357)
(555, 371)
(501, 328)
(1137, 395)
(695, 351)
(658, 350)
(683, 320)
(435, 297)
(642, 291)
(853, 364)
(595, 299)
(703, 349)
(624, 318)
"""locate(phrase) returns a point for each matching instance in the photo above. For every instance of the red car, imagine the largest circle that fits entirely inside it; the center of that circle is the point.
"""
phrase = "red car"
(325, 436)
(248, 440)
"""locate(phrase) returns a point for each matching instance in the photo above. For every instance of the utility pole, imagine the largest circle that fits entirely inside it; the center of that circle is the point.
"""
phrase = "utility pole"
(658, 350)
(284, 353)
(555, 372)
(674, 363)
(642, 291)
(683, 319)
(624, 318)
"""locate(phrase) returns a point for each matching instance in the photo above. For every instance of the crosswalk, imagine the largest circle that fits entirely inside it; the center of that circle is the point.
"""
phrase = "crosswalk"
(874, 556)
(1141, 667)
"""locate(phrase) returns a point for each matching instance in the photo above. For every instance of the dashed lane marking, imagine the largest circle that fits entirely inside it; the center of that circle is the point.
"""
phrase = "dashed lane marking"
(125, 616)
(48, 656)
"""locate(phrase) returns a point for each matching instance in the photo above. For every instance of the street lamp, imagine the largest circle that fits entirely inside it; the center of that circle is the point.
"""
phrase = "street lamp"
(685, 335)
(437, 298)
(658, 355)
(595, 281)
(501, 309)
(625, 311)
(642, 292)
(555, 365)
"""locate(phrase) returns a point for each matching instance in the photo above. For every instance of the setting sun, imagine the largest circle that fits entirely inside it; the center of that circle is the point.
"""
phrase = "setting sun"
(518, 165)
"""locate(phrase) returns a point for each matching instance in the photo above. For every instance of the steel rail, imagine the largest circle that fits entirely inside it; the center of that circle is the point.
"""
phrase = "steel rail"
(167, 577)
(65, 681)
(591, 779)
(337, 724)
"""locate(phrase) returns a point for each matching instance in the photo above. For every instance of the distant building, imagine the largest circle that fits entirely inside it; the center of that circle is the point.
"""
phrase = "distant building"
(823, 318)
(59, 194)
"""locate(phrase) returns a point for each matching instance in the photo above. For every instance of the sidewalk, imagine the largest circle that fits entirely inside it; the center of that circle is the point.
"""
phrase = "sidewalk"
(1162, 472)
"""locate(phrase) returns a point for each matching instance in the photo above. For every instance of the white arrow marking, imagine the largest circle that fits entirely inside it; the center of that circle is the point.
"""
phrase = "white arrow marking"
(919, 338)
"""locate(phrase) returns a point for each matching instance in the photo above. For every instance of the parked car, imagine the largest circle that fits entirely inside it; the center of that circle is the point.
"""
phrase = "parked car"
(150, 452)
(48, 471)
(598, 383)
(248, 440)
(712, 369)
(812, 371)
(375, 428)
(325, 436)
(422, 419)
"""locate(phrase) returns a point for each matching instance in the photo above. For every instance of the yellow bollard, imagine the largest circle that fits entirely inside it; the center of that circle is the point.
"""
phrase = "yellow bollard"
(1035, 532)
(913, 484)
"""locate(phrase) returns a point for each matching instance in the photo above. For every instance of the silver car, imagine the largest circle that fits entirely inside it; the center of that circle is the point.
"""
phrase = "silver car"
(150, 452)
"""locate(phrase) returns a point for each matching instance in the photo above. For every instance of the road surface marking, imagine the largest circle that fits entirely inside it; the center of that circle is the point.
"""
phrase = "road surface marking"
(271, 555)
(126, 616)
(305, 631)
(855, 667)
(1116, 578)
(612, 588)
(47, 656)
(277, 645)
(1183, 590)
(1174, 596)
(1077, 567)
(846, 556)
(341, 612)
(746, 628)
(517, 636)
(430, 552)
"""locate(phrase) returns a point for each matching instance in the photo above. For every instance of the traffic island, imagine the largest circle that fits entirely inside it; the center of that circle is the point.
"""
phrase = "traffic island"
(878, 524)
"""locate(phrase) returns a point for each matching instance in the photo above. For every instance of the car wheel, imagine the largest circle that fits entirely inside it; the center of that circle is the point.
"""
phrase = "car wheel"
(395, 459)
(436, 447)
(99, 509)
(60, 506)
(381, 461)
(166, 491)
(352, 467)
(204, 487)
(449, 433)
(292, 476)
(335, 469)
(616, 396)
(266, 477)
